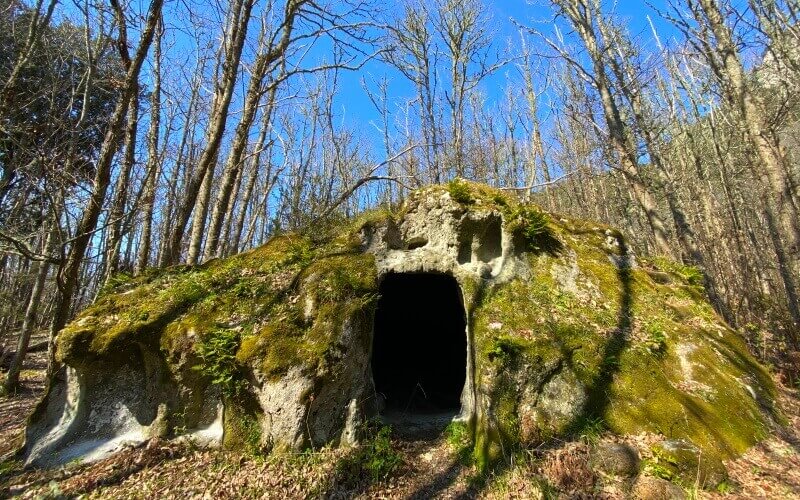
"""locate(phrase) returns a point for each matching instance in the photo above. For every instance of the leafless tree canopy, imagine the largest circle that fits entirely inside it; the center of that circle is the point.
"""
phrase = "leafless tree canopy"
(138, 135)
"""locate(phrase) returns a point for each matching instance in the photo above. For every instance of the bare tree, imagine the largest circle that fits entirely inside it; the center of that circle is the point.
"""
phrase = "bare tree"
(583, 15)
(412, 50)
(69, 272)
(714, 39)
(463, 26)
(235, 35)
(154, 158)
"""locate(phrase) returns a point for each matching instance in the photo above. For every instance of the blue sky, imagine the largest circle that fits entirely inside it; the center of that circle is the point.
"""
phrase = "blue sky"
(354, 108)
(358, 112)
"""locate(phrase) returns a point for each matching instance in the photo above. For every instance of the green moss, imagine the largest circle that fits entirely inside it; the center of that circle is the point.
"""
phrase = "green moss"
(460, 192)
(170, 310)
(533, 226)
(685, 464)
(634, 376)
(339, 287)
(489, 444)
(503, 350)
(648, 395)
(649, 349)
(142, 313)
(342, 277)
(277, 347)
(242, 429)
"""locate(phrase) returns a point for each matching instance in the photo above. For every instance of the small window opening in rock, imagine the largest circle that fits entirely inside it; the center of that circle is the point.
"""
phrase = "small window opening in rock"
(419, 354)
(417, 242)
(481, 240)
(491, 240)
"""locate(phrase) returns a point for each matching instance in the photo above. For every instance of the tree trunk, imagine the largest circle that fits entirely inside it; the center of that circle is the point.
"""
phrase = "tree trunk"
(68, 274)
(765, 142)
(238, 226)
(117, 212)
(40, 269)
(581, 15)
(199, 221)
(240, 17)
(153, 159)
(233, 165)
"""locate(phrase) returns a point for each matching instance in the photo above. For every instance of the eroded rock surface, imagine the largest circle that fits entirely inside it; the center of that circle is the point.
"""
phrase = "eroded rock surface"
(271, 349)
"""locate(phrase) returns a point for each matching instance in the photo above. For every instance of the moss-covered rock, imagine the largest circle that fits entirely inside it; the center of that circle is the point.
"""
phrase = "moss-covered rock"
(270, 349)
(681, 460)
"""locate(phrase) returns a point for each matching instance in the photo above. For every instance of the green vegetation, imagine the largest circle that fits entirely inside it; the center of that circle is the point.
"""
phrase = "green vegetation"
(459, 438)
(725, 488)
(242, 427)
(339, 287)
(460, 191)
(531, 223)
(620, 340)
(379, 458)
(524, 219)
(656, 468)
(376, 459)
(690, 274)
(503, 349)
(251, 435)
(590, 429)
(216, 354)
(575, 329)
(655, 341)
(9, 466)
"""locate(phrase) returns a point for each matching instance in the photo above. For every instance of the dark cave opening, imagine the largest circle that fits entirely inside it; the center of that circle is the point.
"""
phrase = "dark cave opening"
(419, 352)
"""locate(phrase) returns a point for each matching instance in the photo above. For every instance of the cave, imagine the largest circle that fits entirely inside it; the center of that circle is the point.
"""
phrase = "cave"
(419, 353)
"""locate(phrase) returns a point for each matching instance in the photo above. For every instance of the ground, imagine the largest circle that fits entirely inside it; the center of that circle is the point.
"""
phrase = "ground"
(428, 468)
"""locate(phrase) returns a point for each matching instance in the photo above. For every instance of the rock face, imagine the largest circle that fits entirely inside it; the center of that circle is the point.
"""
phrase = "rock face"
(617, 458)
(654, 488)
(271, 349)
(685, 462)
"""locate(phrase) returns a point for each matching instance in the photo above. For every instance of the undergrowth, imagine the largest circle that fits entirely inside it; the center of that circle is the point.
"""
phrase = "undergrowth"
(532, 224)
(459, 439)
(691, 274)
(460, 192)
(590, 429)
(374, 460)
(217, 352)
(655, 341)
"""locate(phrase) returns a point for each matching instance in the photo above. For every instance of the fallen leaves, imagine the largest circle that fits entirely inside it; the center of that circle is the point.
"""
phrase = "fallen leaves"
(162, 469)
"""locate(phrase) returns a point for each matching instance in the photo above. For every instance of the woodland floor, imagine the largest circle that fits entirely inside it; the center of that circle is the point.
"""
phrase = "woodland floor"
(429, 468)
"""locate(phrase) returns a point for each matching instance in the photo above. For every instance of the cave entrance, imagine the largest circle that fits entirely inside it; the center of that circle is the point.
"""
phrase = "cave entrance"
(419, 353)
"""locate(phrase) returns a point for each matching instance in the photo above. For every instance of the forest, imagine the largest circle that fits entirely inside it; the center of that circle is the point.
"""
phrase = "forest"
(136, 136)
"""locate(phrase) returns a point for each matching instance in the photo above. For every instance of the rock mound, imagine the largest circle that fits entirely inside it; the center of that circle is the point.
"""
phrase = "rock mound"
(273, 349)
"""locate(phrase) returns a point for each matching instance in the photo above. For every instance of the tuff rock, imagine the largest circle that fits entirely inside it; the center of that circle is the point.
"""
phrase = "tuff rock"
(271, 349)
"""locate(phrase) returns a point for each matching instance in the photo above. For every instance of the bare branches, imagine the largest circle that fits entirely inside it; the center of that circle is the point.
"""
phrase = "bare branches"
(533, 187)
(250, 124)
(370, 177)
